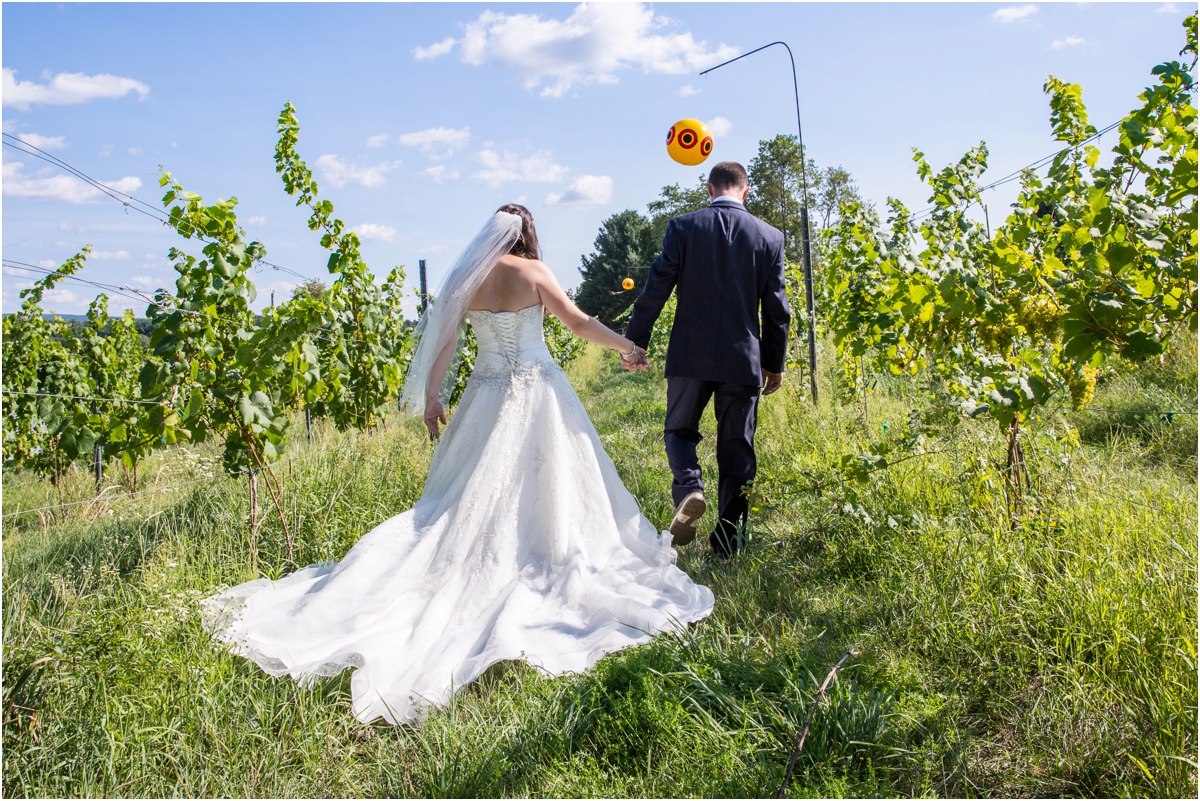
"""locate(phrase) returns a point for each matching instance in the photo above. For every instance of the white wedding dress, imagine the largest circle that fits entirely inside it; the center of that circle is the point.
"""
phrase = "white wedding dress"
(525, 545)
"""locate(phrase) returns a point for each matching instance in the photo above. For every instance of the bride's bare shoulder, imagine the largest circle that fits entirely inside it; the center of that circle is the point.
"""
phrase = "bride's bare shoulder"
(532, 269)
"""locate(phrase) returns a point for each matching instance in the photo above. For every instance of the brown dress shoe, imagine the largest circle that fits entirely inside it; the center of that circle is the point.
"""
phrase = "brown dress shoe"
(687, 515)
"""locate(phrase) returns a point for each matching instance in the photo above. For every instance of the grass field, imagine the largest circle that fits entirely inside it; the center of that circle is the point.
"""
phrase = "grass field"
(1053, 657)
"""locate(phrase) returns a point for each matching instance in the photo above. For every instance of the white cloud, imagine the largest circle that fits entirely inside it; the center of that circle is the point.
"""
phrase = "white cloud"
(8, 126)
(255, 221)
(720, 126)
(499, 169)
(687, 90)
(66, 88)
(12, 288)
(340, 173)
(63, 301)
(586, 190)
(440, 173)
(105, 150)
(437, 143)
(1168, 8)
(109, 254)
(434, 50)
(58, 187)
(49, 264)
(135, 151)
(145, 282)
(1070, 41)
(154, 262)
(43, 142)
(66, 226)
(284, 288)
(1013, 13)
(590, 46)
(377, 140)
(372, 232)
(59, 300)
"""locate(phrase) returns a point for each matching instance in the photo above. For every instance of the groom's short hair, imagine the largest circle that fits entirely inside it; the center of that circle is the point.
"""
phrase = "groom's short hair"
(728, 175)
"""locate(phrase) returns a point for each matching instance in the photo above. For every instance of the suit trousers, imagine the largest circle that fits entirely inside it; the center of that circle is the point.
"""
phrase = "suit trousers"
(736, 409)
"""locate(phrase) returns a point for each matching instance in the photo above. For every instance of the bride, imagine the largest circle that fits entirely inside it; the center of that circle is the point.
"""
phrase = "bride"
(525, 543)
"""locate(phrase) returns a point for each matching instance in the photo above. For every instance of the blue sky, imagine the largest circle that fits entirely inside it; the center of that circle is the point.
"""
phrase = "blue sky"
(420, 119)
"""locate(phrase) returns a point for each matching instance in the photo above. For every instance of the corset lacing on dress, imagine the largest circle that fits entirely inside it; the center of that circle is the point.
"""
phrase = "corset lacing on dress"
(511, 345)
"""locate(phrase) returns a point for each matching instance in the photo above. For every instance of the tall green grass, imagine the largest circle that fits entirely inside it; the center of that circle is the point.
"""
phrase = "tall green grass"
(1056, 656)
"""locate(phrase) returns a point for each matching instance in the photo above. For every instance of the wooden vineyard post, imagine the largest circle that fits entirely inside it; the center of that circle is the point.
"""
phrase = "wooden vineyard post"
(424, 293)
(98, 464)
(253, 502)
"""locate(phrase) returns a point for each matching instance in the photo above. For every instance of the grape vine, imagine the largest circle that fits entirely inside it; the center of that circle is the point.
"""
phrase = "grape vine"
(1093, 262)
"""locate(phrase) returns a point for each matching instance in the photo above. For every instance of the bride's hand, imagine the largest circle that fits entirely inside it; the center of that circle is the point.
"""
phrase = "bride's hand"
(434, 412)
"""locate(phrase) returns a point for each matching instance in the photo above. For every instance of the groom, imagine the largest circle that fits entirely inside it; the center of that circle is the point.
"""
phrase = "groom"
(726, 267)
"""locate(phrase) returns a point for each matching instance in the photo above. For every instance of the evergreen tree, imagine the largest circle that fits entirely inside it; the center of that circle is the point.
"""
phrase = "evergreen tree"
(618, 251)
(672, 201)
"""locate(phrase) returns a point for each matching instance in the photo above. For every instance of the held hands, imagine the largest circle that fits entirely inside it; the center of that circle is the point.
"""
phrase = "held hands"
(635, 361)
(771, 381)
(434, 412)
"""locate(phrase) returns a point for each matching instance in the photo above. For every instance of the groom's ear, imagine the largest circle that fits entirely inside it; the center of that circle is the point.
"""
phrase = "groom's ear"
(746, 193)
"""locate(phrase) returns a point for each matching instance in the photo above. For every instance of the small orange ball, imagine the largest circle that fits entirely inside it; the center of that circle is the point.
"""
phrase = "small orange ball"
(627, 283)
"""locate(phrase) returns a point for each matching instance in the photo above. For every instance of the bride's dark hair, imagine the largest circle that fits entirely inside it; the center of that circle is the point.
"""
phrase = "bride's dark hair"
(526, 245)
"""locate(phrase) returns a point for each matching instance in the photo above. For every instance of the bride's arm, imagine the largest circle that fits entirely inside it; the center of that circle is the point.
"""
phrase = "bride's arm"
(582, 325)
(434, 411)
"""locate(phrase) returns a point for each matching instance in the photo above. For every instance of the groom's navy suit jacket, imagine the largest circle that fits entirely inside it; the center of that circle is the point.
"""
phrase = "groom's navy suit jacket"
(724, 265)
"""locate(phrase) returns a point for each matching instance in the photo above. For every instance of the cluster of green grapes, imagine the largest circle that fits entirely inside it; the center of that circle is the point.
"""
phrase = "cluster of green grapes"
(997, 337)
(1081, 382)
(1040, 315)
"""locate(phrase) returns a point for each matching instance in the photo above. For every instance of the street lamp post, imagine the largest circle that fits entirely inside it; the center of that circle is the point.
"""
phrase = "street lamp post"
(804, 232)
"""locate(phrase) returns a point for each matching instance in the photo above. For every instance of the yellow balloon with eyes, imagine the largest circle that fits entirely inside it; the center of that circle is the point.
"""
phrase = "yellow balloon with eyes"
(689, 142)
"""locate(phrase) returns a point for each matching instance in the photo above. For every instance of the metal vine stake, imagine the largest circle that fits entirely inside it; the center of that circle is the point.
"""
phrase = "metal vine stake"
(806, 236)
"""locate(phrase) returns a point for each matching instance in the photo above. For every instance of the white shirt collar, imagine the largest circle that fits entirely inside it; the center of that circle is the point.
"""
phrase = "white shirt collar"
(726, 200)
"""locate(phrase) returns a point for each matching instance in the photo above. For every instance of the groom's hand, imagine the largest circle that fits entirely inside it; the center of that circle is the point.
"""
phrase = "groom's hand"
(771, 381)
(637, 361)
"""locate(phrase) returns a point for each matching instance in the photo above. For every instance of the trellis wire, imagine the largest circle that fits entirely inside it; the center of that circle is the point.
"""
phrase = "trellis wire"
(139, 296)
(1036, 165)
(150, 211)
(83, 397)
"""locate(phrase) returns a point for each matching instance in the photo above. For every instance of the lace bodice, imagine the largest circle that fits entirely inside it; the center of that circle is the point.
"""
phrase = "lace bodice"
(509, 340)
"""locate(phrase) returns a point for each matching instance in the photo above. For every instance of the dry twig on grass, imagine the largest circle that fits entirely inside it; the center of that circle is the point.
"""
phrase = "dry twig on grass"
(787, 776)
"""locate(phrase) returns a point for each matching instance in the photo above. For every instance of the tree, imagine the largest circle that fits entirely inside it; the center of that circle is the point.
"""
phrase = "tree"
(672, 201)
(776, 188)
(618, 253)
(835, 189)
(310, 288)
